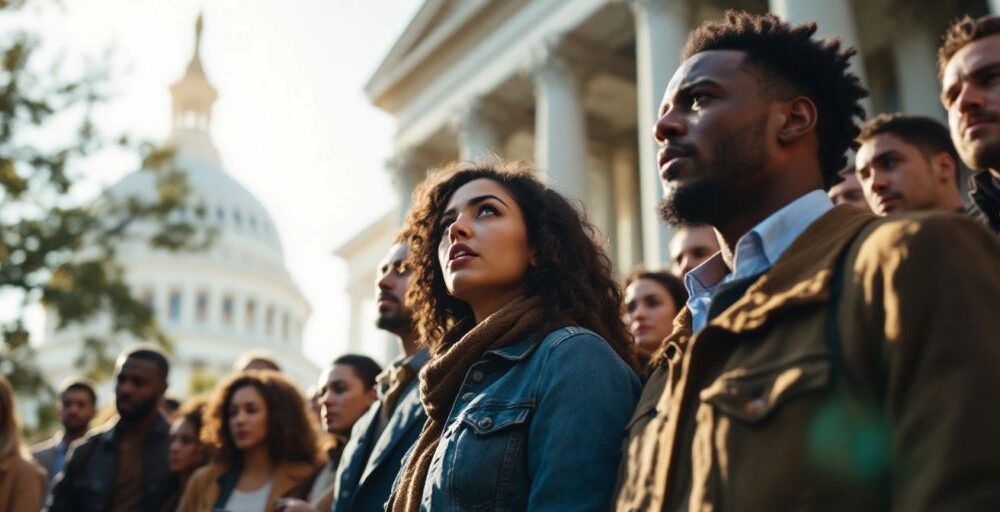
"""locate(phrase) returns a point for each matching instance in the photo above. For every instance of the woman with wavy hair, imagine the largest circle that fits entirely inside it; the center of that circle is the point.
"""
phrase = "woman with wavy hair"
(532, 377)
(263, 441)
(22, 481)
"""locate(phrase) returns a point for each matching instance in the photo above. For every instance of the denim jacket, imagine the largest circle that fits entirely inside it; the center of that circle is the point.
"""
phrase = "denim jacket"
(537, 425)
(369, 464)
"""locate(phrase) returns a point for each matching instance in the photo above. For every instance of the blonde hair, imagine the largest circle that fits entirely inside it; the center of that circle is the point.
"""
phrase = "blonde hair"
(11, 441)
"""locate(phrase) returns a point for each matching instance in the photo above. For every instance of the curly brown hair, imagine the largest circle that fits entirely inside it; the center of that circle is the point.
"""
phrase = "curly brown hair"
(571, 274)
(290, 433)
(962, 32)
(793, 63)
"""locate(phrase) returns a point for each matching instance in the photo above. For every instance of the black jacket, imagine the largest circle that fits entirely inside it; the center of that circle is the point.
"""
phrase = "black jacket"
(86, 481)
(985, 192)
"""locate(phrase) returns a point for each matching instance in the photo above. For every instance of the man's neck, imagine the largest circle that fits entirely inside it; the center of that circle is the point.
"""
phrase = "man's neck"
(408, 343)
(70, 436)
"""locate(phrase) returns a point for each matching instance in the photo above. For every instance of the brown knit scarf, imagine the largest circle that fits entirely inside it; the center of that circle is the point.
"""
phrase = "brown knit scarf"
(442, 377)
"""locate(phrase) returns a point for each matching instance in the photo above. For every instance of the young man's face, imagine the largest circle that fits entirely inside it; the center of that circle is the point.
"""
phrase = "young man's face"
(897, 177)
(76, 409)
(971, 95)
(138, 388)
(849, 192)
(712, 138)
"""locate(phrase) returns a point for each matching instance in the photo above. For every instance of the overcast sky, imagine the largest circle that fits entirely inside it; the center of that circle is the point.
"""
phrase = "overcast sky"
(292, 122)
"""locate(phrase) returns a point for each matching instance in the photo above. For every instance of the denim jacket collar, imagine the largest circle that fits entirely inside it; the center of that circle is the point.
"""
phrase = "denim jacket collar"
(517, 351)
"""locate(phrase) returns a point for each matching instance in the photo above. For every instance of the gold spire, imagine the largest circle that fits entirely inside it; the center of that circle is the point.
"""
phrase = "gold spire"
(193, 96)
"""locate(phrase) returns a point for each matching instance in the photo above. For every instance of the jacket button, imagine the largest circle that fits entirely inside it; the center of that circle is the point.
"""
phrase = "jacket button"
(486, 422)
(468, 396)
(756, 407)
(477, 376)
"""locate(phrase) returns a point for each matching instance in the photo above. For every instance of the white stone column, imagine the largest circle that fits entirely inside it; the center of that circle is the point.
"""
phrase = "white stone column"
(833, 18)
(627, 235)
(995, 7)
(916, 70)
(560, 124)
(407, 172)
(660, 31)
(475, 125)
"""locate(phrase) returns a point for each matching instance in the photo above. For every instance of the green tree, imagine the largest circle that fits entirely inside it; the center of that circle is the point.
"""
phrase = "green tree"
(55, 250)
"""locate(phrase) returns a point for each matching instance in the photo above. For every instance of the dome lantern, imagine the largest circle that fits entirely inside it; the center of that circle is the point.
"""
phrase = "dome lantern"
(193, 96)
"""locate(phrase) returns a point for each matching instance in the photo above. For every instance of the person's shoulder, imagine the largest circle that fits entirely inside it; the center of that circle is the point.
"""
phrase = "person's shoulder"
(25, 470)
(571, 334)
(206, 475)
(928, 233)
(46, 445)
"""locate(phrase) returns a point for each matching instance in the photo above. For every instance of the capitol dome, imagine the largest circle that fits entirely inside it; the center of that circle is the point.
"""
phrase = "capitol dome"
(214, 304)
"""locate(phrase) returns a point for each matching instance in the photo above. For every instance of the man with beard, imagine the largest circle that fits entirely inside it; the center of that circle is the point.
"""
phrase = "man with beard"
(76, 407)
(125, 466)
(827, 358)
(969, 67)
(385, 433)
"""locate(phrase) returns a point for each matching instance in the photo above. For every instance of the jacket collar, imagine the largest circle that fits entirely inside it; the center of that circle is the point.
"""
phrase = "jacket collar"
(801, 276)
(517, 351)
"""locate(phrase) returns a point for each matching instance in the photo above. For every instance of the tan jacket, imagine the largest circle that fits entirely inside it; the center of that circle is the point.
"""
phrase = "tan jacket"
(22, 485)
(762, 411)
(202, 490)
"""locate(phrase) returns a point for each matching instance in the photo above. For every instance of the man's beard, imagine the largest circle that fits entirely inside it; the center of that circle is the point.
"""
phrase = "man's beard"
(140, 411)
(718, 194)
(397, 323)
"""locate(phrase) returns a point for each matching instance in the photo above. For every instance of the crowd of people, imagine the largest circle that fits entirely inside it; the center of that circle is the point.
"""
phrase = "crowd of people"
(824, 338)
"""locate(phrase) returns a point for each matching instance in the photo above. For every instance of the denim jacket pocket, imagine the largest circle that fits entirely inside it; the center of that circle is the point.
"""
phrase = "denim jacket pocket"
(755, 394)
(488, 457)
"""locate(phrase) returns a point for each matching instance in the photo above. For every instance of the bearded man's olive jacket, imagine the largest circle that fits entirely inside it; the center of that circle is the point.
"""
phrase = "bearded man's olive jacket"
(889, 403)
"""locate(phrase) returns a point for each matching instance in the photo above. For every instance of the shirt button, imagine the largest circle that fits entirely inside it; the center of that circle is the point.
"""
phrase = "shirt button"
(468, 396)
(477, 376)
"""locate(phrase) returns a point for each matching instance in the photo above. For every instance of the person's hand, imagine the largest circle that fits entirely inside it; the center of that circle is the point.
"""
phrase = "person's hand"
(293, 505)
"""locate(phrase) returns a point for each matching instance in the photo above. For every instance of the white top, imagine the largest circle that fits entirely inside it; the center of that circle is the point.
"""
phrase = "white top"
(252, 501)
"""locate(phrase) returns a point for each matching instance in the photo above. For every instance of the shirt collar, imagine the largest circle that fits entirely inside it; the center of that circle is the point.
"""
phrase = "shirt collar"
(762, 246)
(759, 249)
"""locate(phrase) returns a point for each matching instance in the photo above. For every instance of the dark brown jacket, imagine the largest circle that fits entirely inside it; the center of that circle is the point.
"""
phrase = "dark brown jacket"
(773, 406)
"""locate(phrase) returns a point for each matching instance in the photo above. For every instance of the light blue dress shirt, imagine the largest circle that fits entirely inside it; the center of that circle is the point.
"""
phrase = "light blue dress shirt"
(756, 252)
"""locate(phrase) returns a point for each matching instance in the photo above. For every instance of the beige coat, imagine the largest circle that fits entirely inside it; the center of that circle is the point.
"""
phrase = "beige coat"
(760, 411)
(202, 490)
(22, 485)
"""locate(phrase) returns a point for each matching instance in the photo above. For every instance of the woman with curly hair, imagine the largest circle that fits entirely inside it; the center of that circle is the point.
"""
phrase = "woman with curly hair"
(532, 377)
(264, 444)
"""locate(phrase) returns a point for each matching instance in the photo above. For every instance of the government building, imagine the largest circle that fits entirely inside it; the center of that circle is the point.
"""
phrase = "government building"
(214, 304)
(574, 85)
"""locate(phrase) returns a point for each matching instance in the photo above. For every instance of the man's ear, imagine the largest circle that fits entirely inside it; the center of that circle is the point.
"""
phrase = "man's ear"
(798, 119)
(946, 168)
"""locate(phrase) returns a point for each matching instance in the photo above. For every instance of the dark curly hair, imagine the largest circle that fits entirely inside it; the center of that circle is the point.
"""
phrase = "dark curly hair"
(572, 272)
(962, 32)
(290, 434)
(791, 63)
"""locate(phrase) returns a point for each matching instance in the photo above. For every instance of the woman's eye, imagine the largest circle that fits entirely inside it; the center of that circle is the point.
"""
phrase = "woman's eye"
(487, 210)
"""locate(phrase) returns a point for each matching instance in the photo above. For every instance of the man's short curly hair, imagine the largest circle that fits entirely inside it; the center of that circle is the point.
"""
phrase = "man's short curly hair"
(962, 32)
(792, 63)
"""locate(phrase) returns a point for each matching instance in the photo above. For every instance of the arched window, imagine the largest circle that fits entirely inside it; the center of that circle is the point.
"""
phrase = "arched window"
(284, 326)
(269, 321)
(237, 218)
(220, 214)
(174, 306)
(227, 310)
(201, 307)
(250, 315)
